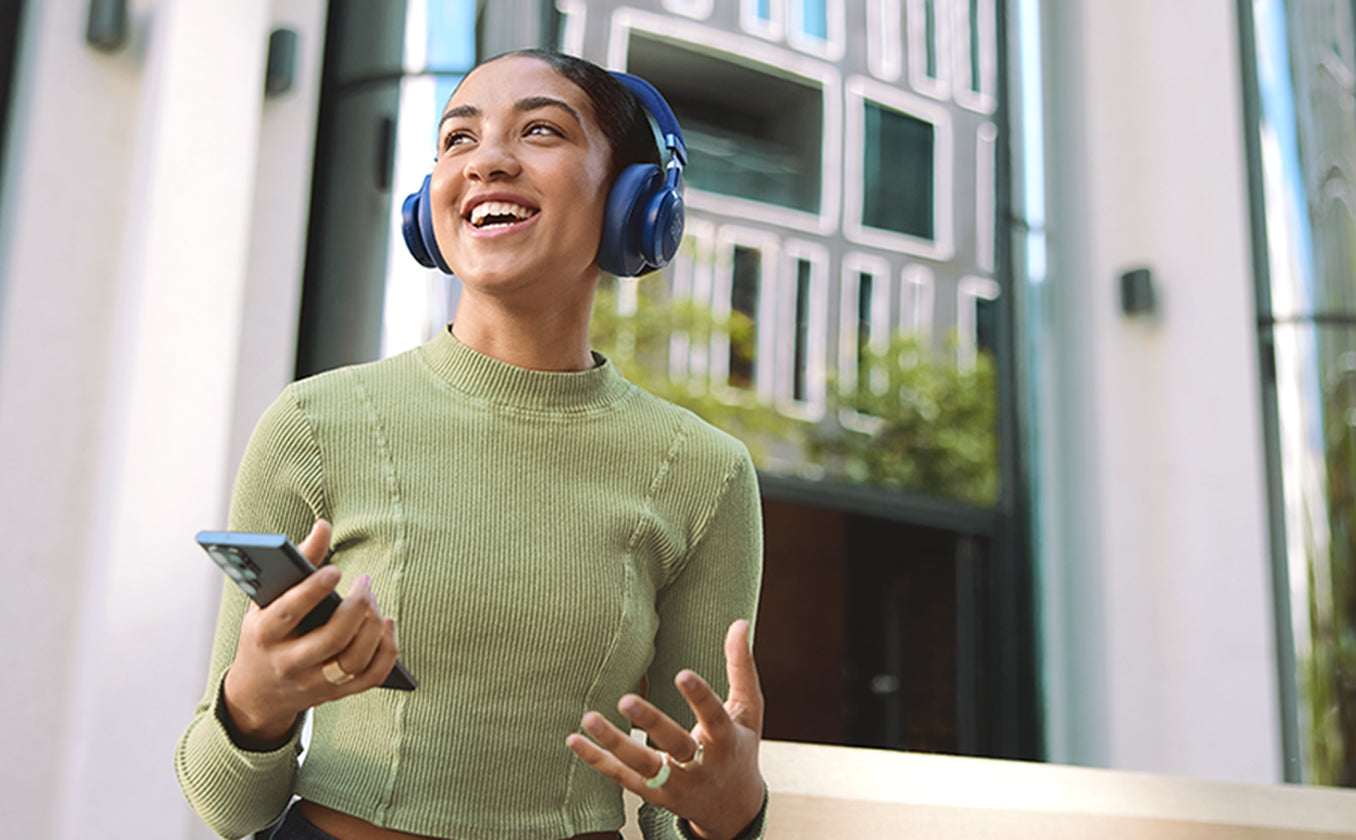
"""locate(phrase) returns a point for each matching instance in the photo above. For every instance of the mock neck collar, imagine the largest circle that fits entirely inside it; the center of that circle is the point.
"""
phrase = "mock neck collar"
(482, 377)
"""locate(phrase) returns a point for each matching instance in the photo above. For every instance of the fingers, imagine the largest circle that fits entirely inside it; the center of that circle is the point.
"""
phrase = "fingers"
(616, 756)
(662, 730)
(745, 703)
(279, 619)
(355, 626)
(317, 543)
(706, 705)
(376, 667)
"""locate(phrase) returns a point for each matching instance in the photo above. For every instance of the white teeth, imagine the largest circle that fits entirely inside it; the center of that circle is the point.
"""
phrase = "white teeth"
(499, 208)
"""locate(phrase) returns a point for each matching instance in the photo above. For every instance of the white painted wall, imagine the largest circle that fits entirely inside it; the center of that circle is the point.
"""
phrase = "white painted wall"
(1158, 632)
(151, 225)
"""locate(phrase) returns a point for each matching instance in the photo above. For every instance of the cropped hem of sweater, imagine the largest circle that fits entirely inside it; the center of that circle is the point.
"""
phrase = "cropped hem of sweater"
(543, 541)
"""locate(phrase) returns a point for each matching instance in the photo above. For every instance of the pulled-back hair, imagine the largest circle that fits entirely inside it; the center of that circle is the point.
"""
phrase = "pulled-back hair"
(617, 111)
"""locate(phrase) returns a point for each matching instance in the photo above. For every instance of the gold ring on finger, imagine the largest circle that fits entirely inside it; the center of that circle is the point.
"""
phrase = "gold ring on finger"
(694, 760)
(662, 775)
(335, 673)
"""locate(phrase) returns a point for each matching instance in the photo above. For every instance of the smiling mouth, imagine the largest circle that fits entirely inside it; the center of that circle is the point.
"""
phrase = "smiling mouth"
(497, 214)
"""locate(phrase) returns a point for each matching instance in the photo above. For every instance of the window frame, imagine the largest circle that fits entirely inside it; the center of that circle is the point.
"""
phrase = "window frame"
(941, 247)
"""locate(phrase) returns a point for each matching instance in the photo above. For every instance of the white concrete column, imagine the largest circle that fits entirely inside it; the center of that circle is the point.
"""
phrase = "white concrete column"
(161, 471)
(152, 227)
(1162, 590)
(62, 196)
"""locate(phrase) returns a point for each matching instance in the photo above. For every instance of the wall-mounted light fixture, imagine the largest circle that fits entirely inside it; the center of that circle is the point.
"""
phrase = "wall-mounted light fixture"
(1137, 292)
(280, 73)
(106, 28)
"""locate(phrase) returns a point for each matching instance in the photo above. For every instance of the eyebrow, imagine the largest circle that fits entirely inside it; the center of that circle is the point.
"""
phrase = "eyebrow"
(527, 103)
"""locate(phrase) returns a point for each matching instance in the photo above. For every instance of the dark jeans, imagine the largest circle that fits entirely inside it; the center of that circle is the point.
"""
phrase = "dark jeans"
(294, 826)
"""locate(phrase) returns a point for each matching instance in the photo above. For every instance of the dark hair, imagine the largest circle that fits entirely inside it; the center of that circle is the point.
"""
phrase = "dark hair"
(619, 114)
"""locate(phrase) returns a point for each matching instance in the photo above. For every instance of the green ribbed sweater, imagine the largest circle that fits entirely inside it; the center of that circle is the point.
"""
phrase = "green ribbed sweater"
(542, 540)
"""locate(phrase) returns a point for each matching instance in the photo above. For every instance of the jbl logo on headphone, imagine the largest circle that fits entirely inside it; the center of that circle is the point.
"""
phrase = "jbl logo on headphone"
(643, 221)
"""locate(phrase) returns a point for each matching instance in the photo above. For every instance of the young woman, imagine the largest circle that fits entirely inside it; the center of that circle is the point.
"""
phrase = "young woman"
(562, 552)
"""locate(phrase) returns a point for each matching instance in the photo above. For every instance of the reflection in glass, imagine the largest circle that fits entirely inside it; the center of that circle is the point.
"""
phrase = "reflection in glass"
(745, 285)
(1316, 402)
(1305, 154)
(854, 339)
(897, 171)
(752, 131)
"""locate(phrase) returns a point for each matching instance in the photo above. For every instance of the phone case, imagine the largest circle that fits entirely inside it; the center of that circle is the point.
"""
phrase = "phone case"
(265, 566)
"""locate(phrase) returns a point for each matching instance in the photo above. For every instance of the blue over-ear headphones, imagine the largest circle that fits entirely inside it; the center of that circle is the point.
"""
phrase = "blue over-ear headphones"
(643, 222)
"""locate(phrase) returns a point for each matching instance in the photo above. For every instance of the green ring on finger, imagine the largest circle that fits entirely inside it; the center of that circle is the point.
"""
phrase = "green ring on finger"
(662, 776)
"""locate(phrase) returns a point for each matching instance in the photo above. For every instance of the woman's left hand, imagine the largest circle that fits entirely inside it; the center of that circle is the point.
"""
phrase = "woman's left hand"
(712, 780)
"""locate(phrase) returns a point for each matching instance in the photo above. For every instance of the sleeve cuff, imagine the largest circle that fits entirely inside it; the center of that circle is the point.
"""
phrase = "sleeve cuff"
(244, 742)
(753, 831)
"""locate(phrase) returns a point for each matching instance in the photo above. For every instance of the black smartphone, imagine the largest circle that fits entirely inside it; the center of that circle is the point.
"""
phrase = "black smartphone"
(265, 566)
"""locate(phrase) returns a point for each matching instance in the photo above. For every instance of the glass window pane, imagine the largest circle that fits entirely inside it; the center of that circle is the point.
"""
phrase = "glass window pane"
(976, 50)
(1304, 86)
(814, 18)
(752, 131)
(898, 163)
(801, 353)
(745, 288)
(930, 37)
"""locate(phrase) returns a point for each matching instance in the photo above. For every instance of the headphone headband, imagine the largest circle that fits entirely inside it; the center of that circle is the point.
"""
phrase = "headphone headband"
(659, 110)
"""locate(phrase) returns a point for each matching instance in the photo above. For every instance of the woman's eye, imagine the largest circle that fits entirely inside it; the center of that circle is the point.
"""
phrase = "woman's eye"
(542, 129)
(455, 138)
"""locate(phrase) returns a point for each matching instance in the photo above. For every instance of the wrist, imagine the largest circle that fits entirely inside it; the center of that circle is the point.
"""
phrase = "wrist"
(752, 827)
(253, 731)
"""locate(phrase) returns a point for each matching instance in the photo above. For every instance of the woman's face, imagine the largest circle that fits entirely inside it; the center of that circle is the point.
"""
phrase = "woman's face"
(521, 181)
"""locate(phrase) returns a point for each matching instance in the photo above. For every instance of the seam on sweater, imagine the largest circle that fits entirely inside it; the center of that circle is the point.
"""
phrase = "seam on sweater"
(323, 501)
(735, 468)
(629, 559)
(398, 567)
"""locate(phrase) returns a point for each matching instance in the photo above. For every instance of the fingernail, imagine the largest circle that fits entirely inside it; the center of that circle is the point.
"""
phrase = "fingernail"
(330, 575)
(594, 725)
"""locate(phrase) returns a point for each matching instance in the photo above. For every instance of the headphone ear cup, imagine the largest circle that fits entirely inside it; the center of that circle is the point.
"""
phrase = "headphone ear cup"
(621, 250)
(416, 226)
(409, 225)
(663, 233)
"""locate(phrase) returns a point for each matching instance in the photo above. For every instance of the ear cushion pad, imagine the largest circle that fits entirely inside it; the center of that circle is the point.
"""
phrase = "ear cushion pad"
(664, 219)
(621, 250)
(409, 227)
(416, 225)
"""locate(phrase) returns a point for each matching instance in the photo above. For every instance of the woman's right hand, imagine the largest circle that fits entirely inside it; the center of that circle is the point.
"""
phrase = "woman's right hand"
(276, 675)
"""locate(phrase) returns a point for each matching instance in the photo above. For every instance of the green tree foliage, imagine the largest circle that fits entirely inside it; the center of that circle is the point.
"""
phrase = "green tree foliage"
(639, 344)
(1327, 672)
(932, 426)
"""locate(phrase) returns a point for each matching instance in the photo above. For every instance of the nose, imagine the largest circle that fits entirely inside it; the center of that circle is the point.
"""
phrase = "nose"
(491, 159)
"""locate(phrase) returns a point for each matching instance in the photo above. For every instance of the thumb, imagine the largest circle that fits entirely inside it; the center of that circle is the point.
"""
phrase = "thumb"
(317, 543)
(745, 703)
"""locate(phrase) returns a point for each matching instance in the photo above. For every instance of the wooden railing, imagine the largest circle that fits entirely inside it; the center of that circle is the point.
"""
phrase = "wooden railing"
(828, 793)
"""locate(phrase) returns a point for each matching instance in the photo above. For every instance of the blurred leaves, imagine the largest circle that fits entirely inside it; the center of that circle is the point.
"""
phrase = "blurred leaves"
(1327, 672)
(931, 428)
(639, 345)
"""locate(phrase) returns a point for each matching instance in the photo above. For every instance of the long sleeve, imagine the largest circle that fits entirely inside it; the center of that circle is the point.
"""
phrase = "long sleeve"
(278, 490)
(717, 585)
